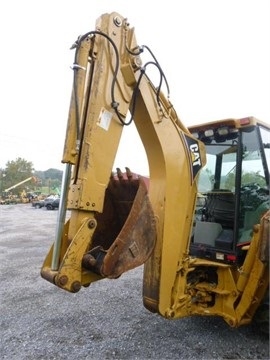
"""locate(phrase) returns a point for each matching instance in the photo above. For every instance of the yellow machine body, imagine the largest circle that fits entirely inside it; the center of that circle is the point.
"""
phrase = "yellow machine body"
(121, 220)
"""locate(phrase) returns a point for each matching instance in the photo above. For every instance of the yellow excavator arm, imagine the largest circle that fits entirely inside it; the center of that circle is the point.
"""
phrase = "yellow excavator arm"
(203, 254)
(121, 220)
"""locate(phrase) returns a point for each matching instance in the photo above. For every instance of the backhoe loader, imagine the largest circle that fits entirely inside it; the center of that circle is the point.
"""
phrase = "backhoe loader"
(199, 224)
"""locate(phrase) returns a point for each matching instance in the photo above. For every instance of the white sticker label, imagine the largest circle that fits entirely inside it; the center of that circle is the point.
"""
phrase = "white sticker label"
(104, 119)
(219, 256)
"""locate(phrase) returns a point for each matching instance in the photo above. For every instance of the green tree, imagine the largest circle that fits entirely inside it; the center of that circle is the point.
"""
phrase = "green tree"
(16, 171)
(53, 179)
(53, 174)
(253, 177)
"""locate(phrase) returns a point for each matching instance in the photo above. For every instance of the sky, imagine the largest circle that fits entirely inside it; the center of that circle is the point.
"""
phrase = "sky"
(215, 55)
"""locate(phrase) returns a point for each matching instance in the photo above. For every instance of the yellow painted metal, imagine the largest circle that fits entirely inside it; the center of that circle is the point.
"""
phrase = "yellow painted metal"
(175, 159)
(93, 135)
(70, 275)
(172, 191)
(254, 274)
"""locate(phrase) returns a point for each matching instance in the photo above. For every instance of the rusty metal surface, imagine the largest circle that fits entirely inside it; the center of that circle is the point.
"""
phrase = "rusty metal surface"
(264, 247)
(126, 231)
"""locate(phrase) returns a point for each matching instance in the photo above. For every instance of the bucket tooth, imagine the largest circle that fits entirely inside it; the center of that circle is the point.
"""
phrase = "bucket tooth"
(129, 173)
(119, 174)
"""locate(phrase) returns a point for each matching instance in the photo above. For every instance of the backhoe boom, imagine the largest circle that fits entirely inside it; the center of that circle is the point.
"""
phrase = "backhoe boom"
(201, 235)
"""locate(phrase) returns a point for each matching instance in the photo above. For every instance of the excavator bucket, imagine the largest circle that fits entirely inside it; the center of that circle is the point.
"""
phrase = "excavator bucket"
(126, 231)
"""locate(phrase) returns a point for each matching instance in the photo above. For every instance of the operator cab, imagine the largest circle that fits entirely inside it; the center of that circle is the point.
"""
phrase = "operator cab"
(233, 188)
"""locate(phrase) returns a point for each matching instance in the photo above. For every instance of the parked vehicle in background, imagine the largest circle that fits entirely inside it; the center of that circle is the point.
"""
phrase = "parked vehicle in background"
(51, 205)
(37, 204)
(44, 202)
(11, 200)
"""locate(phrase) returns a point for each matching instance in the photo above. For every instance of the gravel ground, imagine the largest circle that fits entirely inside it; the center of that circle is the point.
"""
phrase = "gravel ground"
(105, 321)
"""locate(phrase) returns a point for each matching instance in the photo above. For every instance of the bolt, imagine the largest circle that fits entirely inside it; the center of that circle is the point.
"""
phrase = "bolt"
(137, 63)
(170, 314)
(92, 223)
(63, 280)
(117, 21)
(75, 286)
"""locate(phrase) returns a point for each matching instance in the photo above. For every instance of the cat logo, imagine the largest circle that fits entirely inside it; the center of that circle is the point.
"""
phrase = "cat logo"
(194, 156)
